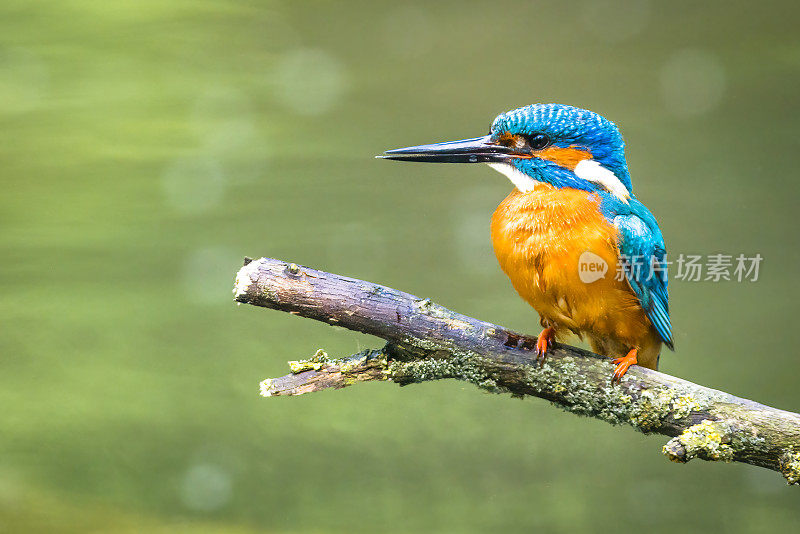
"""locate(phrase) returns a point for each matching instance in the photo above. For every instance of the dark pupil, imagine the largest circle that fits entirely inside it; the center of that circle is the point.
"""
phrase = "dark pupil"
(538, 141)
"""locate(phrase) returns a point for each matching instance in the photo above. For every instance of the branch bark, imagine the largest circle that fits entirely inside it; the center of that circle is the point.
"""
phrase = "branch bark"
(426, 341)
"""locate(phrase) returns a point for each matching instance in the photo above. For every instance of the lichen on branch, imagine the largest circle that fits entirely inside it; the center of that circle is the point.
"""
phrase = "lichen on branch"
(426, 341)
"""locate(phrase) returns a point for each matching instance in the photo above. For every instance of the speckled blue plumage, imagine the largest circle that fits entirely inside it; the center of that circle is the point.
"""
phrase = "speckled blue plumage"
(567, 126)
(643, 256)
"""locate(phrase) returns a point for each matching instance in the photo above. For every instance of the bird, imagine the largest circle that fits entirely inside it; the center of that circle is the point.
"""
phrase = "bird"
(574, 240)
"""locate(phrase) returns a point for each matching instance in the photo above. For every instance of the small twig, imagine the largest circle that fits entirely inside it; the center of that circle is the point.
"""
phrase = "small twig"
(429, 342)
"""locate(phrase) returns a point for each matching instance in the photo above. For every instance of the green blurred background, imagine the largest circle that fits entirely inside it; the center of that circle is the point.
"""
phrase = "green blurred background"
(148, 146)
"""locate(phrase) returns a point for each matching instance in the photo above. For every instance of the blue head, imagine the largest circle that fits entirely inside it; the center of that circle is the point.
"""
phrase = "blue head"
(552, 143)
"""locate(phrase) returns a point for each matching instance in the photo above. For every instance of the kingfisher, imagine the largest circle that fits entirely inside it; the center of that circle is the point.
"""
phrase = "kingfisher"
(576, 243)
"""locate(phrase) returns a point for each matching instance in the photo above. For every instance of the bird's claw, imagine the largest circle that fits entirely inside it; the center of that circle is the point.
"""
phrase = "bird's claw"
(623, 364)
(543, 343)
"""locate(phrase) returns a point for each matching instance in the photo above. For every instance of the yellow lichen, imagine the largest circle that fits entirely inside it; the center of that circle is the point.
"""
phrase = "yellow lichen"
(790, 467)
(682, 406)
(651, 409)
(315, 363)
(655, 406)
(264, 388)
(298, 366)
(705, 440)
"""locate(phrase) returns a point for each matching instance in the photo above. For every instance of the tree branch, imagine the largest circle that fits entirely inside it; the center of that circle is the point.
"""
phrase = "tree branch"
(426, 341)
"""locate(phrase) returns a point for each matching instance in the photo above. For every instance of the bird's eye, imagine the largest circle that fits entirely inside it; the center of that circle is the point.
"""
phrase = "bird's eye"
(538, 141)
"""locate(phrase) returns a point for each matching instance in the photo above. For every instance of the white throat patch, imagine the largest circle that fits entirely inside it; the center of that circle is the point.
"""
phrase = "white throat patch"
(588, 169)
(522, 181)
(591, 171)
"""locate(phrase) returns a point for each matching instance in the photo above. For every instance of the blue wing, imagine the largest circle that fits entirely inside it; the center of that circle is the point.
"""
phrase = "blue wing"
(643, 257)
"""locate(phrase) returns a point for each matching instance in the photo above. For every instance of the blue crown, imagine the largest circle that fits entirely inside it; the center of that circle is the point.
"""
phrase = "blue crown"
(570, 126)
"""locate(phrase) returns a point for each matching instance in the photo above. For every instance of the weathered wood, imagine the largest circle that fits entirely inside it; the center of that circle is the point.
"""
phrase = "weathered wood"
(429, 342)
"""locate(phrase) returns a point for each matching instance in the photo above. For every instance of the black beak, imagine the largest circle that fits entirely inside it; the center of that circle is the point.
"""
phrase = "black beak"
(477, 150)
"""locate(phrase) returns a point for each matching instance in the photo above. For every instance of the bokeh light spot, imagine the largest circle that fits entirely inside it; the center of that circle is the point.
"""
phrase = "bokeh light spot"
(692, 82)
(309, 81)
(206, 487)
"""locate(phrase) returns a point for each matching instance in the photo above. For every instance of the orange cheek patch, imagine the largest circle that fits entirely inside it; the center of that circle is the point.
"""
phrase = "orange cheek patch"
(565, 157)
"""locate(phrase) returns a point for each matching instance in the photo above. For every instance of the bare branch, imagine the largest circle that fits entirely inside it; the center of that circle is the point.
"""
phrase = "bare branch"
(429, 342)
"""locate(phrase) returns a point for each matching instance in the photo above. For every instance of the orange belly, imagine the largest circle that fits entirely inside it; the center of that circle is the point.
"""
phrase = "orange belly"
(542, 239)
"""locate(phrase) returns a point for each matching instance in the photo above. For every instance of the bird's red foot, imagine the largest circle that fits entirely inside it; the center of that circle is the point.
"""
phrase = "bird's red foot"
(544, 342)
(623, 364)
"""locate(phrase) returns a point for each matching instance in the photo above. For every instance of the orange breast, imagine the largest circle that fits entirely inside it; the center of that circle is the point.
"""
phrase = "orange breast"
(539, 238)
